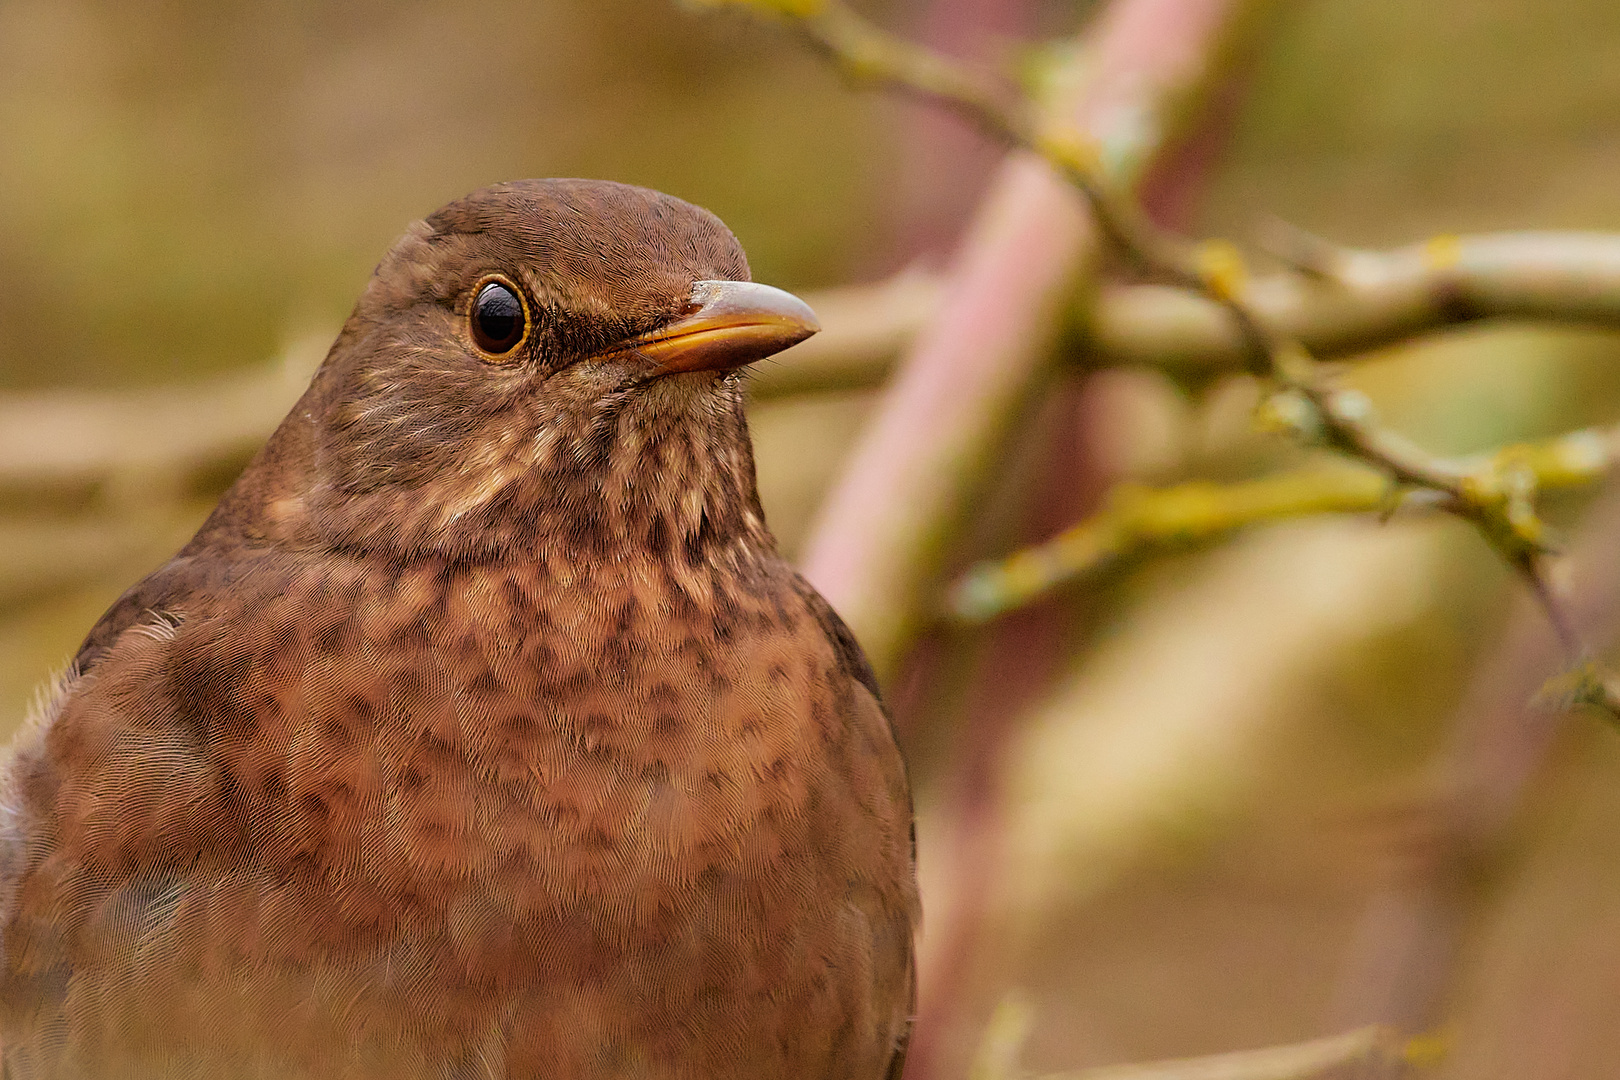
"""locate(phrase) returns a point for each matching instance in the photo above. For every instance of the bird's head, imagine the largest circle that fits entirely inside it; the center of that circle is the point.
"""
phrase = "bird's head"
(547, 361)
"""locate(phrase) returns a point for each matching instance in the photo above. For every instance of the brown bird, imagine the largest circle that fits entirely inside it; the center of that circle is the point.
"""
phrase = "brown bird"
(481, 731)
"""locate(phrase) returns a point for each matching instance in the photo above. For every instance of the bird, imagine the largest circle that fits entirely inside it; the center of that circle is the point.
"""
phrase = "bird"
(481, 730)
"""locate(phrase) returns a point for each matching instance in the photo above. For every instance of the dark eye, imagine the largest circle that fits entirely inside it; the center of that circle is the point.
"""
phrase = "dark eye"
(498, 318)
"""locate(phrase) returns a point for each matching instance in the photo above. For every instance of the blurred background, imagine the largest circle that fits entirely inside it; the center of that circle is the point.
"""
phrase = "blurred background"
(1205, 817)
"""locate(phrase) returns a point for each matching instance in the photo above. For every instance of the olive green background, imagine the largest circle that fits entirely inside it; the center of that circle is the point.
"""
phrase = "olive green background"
(188, 188)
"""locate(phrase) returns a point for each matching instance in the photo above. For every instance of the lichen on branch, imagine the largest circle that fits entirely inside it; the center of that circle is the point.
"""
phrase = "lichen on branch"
(1137, 521)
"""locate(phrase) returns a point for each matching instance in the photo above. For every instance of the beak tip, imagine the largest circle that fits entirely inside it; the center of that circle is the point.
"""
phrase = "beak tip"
(806, 330)
(730, 324)
(795, 319)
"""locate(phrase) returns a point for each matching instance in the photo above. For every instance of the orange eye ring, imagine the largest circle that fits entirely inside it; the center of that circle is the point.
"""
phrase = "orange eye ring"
(498, 319)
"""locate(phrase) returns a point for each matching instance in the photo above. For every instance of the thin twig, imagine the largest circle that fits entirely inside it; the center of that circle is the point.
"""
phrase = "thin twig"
(1372, 1053)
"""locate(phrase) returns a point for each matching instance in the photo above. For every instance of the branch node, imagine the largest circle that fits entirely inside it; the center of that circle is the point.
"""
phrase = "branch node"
(1290, 413)
(1501, 499)
(1442, 253)
(1584, 684)
(1222, 270)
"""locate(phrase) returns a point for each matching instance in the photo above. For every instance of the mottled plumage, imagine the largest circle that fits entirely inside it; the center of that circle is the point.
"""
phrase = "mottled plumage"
(481, 731)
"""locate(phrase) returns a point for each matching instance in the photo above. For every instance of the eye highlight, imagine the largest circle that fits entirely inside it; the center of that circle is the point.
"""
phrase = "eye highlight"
(498, 317)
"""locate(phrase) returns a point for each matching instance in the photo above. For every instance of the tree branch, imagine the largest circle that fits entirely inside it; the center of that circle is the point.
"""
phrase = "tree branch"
(1368, 299)
(1368, 1053)
(1137, 521)
(864, 327)
(1372, 1053)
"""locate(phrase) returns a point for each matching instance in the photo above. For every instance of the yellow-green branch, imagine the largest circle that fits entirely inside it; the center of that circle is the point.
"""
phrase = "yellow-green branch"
(1136, 521)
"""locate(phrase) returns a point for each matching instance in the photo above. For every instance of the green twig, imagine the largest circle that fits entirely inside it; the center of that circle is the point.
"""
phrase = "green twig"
(1136, 520)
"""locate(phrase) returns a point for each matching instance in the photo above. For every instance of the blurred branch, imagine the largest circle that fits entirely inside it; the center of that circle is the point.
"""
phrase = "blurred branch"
(1400, 960)
(1351, 302)
(1585, 684)
(1372, 1053)
(1354, 301)
(869, 54)
(46, 557)
(1369, 1053)
(141, 438)
(1138, 520)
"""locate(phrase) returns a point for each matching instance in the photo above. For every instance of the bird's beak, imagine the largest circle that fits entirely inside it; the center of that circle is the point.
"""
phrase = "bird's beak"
(727, 324)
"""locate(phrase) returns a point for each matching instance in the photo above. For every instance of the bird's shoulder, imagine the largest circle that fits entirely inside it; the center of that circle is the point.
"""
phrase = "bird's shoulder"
(852, 660)
(190, 581)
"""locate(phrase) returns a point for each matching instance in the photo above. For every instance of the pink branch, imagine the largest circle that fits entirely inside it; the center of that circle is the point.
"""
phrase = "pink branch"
(885, 531)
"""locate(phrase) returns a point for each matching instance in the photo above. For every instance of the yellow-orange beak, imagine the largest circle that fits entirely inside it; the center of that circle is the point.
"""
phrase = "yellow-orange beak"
(727, 324)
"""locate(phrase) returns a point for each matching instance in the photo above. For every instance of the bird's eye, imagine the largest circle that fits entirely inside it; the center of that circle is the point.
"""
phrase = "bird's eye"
(499, 318)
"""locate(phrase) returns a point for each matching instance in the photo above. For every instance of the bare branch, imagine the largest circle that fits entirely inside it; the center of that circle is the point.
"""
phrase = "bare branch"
(1136, 521)
(868, 54)
(1503, 732)
(1372, 1053)
(68, 438)
(1371, 298)
(1368, 1053)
